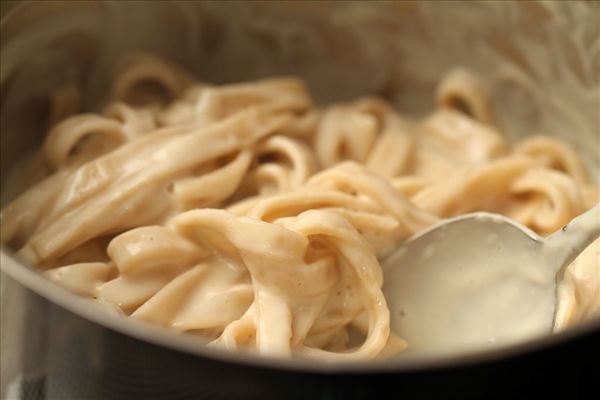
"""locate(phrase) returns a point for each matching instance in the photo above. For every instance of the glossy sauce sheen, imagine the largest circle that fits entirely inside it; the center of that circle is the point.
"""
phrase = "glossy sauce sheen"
(482, 291)
(249, 215)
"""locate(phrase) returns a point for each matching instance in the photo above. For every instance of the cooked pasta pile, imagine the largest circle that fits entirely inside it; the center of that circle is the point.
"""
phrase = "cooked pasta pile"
(247, 215)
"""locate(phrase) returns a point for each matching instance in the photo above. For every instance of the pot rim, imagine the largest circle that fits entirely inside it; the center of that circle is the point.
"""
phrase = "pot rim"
(164, 337)
(35, 282)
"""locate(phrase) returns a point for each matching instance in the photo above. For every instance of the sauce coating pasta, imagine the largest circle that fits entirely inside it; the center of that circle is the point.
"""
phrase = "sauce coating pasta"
(247, 215)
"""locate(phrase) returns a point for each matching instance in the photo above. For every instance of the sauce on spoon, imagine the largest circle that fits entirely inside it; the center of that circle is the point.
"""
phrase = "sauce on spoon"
(479, 281)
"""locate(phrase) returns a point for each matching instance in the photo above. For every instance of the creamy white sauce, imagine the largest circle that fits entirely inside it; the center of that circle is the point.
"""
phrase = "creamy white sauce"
(471, 285)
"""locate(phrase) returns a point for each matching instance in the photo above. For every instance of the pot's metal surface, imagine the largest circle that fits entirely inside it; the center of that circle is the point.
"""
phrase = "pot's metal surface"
(62, 348)
(67, 356)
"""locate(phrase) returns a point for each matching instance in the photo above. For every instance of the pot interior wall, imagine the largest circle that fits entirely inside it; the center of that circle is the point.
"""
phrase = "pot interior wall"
(541, 60)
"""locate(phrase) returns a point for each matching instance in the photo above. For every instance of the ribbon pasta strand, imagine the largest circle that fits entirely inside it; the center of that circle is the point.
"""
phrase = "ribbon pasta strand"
(250, 217)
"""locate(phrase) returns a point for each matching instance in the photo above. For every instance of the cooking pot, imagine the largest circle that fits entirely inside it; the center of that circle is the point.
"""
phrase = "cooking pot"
(541, 60)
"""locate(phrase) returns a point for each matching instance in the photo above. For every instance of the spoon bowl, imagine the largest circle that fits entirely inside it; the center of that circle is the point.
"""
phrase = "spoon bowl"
(480, 280)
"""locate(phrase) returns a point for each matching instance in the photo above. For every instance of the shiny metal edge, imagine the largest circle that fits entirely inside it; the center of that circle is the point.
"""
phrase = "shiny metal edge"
(32, 280)
(482, 215)
(73, 303)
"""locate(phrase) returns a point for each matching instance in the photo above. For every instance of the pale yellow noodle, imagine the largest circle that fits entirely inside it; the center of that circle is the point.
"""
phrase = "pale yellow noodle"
(245, 214)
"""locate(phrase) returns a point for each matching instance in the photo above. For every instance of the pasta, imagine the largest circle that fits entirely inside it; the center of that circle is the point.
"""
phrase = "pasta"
(246, 215)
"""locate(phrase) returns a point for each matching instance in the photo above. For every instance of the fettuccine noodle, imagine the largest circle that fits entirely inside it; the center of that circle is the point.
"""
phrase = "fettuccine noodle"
(247, 215)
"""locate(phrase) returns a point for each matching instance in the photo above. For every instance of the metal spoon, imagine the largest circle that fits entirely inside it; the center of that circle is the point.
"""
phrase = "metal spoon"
(480, 280)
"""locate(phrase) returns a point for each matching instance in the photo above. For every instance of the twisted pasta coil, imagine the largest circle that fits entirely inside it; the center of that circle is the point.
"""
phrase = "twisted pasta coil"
(246, 215)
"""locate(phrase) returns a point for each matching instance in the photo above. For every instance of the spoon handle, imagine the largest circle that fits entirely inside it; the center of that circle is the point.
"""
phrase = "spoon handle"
(564, 245)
